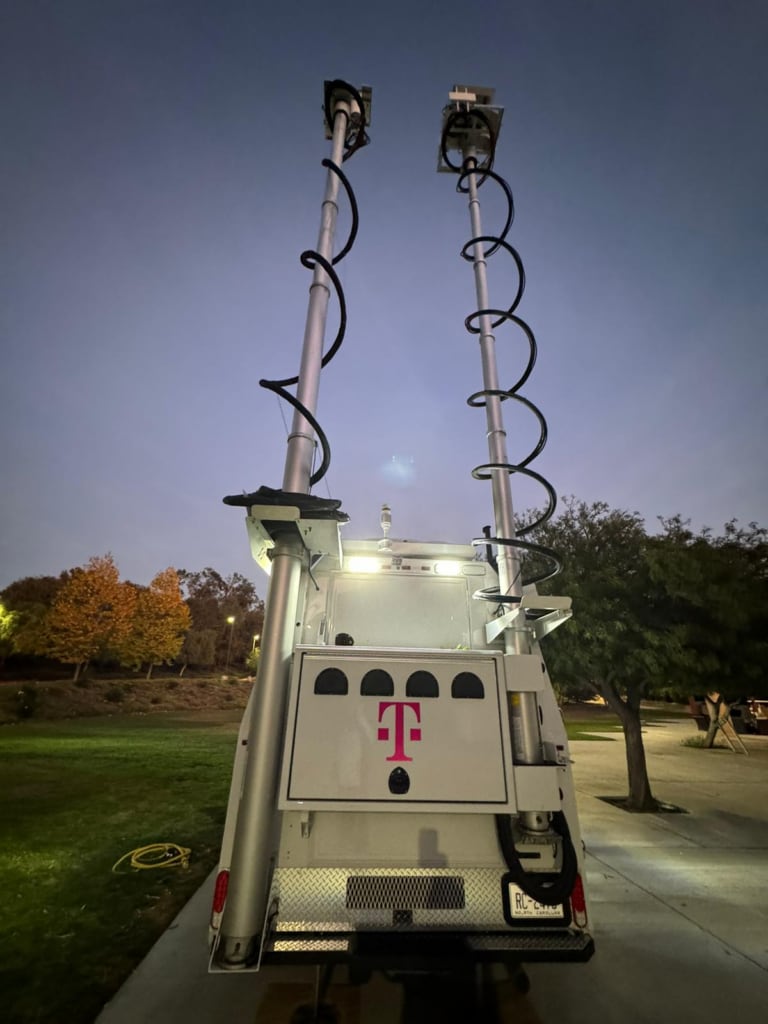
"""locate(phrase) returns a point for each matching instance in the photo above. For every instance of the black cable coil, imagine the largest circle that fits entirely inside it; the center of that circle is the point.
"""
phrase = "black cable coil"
(550, 890)
(457, 124)
(356, 138)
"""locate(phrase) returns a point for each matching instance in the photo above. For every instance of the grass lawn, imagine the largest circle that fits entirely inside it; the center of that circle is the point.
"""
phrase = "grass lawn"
(586, 730)
(594, 722)
(78, 794)
(75, 796)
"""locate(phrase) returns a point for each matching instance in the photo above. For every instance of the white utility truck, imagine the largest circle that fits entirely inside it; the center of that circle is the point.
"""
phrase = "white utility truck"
(402, 795)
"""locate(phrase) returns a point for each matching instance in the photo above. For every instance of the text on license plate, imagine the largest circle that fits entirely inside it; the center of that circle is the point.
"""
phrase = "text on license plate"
(521, 905)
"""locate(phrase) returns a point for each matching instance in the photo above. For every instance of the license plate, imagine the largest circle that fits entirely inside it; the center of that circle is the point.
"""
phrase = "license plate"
(522, 906)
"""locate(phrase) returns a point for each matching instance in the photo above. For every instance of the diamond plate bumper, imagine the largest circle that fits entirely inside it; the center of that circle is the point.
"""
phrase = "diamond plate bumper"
(326, 900)
(428, 950)
(405, 918)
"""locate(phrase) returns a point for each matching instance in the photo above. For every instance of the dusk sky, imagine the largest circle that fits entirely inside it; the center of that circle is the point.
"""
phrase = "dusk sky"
(160, 174)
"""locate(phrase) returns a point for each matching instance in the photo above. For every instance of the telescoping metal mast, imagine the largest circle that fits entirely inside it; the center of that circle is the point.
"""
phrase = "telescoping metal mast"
(347, 112)
(469, 133)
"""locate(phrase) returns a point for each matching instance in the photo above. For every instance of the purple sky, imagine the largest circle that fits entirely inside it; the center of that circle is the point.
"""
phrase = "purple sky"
(161, 173)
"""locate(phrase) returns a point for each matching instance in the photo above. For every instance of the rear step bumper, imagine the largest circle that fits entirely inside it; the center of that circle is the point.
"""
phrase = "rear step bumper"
(426, 950)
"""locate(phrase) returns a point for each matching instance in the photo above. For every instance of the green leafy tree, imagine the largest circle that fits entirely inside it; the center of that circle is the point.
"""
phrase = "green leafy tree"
(617, 642)
(716, 587)
(198, 649)
(716, 600)
(30, 599)
(212, 600)
(160, 621)
(91, 615)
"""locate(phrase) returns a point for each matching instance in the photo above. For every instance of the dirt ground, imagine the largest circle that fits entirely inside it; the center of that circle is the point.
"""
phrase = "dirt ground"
(41, 701)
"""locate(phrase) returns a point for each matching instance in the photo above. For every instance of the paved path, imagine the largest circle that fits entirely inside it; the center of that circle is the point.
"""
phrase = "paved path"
(679, 901)
(679, 909)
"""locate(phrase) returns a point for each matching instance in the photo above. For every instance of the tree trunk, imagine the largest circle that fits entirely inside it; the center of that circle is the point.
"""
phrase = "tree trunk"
(640, 795)
(149, 670)
(628, 711)
(181, 673)
(76, 676)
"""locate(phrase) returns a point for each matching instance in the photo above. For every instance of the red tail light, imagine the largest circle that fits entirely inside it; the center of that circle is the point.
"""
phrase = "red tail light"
(579, 903)
(220, 892)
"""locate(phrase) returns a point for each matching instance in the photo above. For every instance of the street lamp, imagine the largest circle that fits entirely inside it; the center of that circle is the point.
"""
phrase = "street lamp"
(255, 641)
(231, 621)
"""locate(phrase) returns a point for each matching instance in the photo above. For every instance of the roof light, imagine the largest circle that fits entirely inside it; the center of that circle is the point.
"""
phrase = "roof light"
(360, 563)
(448, 568)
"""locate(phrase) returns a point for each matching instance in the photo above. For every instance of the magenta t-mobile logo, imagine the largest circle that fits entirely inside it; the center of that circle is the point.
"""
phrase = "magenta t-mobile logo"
(414, 734)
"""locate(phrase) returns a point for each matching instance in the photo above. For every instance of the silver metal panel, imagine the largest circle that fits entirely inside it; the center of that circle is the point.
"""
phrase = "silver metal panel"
(537, 787)
(342, 748)
(401, 609)
(370, 840)
(315, 900)
(525, 673)
(412, 562)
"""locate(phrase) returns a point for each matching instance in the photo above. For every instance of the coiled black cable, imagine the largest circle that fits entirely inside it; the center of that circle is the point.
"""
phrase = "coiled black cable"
(457, 124)
(463, 125)
(549, 890)
(310, 258)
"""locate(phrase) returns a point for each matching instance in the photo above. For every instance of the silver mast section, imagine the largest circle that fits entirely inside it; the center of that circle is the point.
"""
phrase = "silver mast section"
(476, 142)
(510, 576)
(257, 820)
(301, 440)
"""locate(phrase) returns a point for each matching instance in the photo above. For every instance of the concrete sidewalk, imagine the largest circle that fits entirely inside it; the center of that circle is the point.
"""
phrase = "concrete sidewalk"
(679, 905)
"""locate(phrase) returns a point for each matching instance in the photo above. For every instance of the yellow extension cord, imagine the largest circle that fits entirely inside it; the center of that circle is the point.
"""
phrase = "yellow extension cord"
(156, 855)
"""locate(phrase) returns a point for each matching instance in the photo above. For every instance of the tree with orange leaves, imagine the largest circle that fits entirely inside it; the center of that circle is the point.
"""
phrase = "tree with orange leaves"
(91, 615)
(161, 619)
